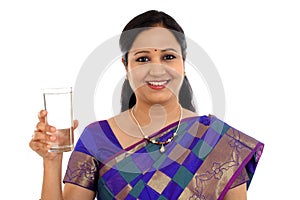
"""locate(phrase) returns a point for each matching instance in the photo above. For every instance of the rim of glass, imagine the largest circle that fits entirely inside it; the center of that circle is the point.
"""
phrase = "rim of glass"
(58, 90)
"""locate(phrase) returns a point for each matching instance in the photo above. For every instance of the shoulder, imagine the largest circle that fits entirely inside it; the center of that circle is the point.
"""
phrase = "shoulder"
(233, 134)
(105, 125)
(119, 117)
(120, 122)
(104, 130)
(187, 113)
(92, 134)
(203, 119)
(94, 125)
(219, 126)
(98, 140)
(95, 129)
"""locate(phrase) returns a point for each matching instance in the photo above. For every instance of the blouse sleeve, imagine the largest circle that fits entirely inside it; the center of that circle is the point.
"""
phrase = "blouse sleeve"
(83, 166)
(82, 170)
(93, 146)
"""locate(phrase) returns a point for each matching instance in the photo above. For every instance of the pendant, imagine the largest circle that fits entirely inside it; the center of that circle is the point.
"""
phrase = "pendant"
(162, 148)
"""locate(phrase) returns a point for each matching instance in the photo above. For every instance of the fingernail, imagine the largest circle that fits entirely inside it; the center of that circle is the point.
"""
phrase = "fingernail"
(52, 137)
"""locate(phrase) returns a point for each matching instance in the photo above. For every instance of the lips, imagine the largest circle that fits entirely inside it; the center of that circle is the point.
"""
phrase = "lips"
(157, 85)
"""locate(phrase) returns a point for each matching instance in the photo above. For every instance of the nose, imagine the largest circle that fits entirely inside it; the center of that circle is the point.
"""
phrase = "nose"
(157, 69)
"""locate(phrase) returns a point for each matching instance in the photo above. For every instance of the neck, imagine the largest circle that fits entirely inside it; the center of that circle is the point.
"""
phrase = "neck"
(157, 114)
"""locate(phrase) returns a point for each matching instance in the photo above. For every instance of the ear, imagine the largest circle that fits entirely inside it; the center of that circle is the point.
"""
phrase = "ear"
(124, 63)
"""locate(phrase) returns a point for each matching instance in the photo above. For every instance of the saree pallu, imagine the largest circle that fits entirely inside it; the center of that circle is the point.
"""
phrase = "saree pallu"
(205, 160)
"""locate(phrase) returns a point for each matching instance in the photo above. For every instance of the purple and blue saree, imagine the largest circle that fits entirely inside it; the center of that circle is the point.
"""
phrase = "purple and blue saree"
(205, 160)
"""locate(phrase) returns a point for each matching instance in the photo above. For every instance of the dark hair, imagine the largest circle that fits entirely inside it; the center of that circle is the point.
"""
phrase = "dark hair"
(143, 22)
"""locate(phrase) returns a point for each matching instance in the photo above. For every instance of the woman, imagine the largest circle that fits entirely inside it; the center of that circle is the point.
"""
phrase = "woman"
(158, 147)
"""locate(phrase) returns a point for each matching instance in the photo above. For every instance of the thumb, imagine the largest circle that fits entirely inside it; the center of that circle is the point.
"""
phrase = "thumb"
(75, 123)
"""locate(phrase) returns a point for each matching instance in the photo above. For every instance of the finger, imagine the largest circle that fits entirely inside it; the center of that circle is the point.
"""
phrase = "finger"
(75, 123)
(42, 115)
(38, 146)
(43, 137)
(41, 126)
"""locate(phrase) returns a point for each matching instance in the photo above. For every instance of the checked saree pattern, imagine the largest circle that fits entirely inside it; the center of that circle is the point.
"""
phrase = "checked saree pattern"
(203, 162)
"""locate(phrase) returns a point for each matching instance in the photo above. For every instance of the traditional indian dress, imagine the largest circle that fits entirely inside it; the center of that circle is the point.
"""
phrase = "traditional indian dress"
(206, 159)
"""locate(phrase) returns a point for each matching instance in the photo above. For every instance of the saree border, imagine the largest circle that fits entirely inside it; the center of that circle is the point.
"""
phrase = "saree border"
(241, 149)
(259, 147)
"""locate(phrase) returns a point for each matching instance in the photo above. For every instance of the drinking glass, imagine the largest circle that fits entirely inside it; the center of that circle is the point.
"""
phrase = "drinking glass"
(58, 103)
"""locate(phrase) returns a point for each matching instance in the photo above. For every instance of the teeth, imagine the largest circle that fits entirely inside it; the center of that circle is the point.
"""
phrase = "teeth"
(156, 83)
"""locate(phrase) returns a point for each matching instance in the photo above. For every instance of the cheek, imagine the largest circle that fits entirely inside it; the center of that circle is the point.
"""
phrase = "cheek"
(176, 69)
(136, 77)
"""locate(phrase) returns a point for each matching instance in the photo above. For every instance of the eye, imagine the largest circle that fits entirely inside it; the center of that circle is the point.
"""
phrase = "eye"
(143, 59)
(169, 57)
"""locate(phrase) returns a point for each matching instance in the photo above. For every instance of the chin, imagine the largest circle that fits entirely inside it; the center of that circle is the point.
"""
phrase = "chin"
(161, 99)
(157, 97)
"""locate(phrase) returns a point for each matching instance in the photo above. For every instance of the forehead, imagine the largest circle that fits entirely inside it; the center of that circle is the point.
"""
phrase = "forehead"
(156, 37)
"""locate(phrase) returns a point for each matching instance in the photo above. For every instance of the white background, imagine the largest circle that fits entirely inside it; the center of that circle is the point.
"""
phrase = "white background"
(255, 46)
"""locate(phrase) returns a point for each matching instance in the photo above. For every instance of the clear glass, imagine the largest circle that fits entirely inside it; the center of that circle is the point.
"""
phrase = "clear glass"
(59, 105)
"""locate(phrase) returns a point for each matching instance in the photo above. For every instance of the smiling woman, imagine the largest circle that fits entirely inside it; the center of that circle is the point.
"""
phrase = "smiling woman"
(155, 68)
(157, 147)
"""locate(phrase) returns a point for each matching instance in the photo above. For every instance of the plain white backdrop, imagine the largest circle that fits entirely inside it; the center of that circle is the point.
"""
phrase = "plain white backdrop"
(255, 46)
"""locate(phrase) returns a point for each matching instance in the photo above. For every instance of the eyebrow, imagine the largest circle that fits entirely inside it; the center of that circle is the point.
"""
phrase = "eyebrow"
(169, 49)
(164, 50)
(144, 51)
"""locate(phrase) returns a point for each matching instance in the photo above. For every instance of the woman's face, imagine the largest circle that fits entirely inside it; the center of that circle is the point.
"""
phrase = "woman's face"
(155, 66)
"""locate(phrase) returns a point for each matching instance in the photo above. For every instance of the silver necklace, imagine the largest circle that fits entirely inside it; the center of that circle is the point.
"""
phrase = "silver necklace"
(153, 141)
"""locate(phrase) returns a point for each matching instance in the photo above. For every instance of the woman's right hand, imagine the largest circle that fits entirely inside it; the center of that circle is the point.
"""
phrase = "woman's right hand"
(43, 135)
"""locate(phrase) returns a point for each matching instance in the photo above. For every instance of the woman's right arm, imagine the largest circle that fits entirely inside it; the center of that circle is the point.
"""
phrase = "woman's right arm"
(52, 179)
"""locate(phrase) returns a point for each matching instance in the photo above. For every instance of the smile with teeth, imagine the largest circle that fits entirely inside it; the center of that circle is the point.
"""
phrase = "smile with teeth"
(157, 83)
